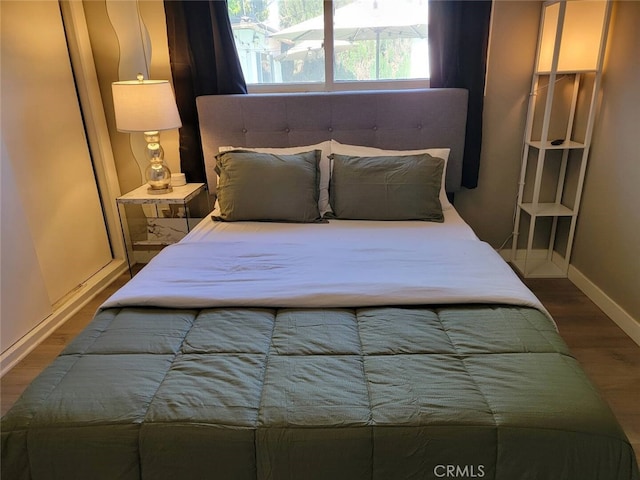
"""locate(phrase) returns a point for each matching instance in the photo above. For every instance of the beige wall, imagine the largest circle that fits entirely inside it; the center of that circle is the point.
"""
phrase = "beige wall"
(489, 207)
(607, 244)
(108, 56)
(106, 53)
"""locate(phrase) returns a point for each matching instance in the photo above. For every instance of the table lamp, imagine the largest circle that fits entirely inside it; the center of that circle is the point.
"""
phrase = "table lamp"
(148, 106)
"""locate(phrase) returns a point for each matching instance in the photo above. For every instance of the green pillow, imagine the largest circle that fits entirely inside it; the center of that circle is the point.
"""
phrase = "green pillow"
(255, 186)
(386, 188)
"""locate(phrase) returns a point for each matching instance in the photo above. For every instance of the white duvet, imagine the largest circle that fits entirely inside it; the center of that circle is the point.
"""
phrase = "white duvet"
(339, 264)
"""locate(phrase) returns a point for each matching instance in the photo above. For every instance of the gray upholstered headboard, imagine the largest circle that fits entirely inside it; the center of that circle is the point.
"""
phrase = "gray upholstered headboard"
(399, 120)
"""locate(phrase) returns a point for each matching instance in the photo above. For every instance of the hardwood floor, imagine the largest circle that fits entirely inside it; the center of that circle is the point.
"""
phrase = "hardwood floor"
(16, 380)
(610, 358)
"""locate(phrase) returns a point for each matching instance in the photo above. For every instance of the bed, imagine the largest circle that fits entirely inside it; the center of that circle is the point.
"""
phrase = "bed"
(331, 348)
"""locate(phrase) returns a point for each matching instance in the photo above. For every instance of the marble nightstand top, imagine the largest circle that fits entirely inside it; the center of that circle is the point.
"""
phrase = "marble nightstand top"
(179, 195)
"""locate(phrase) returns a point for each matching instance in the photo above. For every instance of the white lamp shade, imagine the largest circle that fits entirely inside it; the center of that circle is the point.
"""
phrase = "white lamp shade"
(143, 106)
(584, 22)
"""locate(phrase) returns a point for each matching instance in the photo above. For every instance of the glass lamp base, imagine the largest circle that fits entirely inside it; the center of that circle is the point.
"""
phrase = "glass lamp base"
(157, 173)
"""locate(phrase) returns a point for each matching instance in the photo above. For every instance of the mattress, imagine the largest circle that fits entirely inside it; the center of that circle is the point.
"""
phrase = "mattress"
(462, 375)
(340, 263)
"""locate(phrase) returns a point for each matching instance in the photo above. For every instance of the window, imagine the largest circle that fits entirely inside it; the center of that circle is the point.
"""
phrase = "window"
(284, 44)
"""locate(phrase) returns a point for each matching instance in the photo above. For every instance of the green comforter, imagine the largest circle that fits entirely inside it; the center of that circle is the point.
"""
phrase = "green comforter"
(372, 393)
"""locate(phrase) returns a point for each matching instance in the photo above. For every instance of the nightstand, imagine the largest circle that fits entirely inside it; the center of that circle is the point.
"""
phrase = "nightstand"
(151, 222)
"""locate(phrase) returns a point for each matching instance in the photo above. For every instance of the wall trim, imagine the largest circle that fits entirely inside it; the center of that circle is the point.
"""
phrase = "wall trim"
(615, 312)
(65, 310)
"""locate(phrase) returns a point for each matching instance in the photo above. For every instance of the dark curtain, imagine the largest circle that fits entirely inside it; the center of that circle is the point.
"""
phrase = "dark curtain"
(204, 61)
(458, 40)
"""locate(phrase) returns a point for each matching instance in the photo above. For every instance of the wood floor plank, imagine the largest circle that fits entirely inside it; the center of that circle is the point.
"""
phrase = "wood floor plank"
(609, 357)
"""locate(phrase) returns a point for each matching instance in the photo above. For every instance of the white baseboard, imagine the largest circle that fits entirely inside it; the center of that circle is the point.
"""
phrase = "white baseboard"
(70, 306)
(614, 311)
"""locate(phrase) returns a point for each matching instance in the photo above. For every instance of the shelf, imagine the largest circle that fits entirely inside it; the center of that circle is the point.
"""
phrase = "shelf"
(547, 210)
(150, 245)
(566, 72)
(563, 146)
(563, 100)
(538, 266)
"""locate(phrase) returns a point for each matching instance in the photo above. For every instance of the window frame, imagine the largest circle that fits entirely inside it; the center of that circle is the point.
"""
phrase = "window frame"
(329, 84)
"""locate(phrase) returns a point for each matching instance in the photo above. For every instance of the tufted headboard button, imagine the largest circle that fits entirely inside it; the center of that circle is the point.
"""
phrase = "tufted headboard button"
(375, 127)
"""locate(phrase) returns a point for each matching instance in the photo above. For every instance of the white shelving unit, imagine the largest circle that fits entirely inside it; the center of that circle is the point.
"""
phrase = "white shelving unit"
(562, 106)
